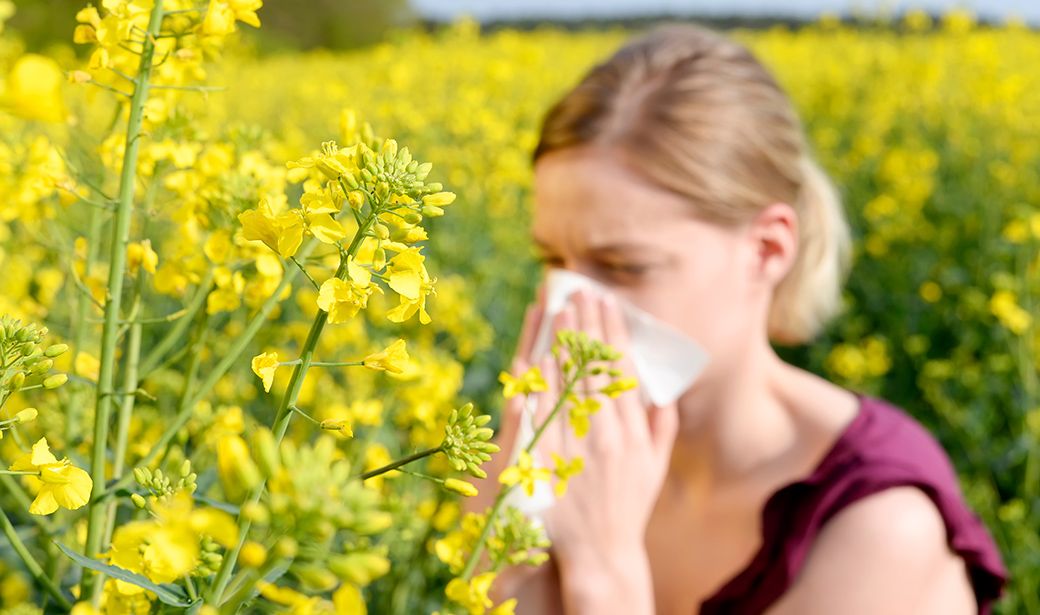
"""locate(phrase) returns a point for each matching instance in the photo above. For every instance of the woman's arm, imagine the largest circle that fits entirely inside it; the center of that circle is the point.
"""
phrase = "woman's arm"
(886, 553)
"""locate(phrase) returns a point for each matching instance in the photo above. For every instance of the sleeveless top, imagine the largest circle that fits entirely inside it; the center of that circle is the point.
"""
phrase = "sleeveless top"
(882, 447)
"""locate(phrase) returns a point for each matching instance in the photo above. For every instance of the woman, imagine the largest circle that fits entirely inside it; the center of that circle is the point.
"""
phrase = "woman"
(677, 174)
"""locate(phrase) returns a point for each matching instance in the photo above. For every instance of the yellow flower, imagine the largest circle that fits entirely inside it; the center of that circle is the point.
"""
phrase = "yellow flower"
(253, 554)
(140, 254)
(237, 470)
(393, 359)
(334, 162)
(460, 486)
(343, 298)
(348, 600)
(163, 554)
(619, 386)
(564, 470)
(221, 15)
(524, 473)
(283, 232)
(579, 412)
(264, 366)
(61, 483)
(408, 277)
(34, 89)
(472, 595)
(528, 382)
(1004, 305)
(505, 608)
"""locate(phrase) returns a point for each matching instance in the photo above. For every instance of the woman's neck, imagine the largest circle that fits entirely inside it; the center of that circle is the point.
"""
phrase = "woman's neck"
(734, 426)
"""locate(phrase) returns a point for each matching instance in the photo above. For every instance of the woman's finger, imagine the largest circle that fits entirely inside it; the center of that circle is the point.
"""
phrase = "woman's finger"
(532, 323)
(633, 416)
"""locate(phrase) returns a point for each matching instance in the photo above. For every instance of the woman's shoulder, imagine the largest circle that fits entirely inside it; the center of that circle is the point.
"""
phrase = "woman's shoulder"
(881, 449)
(884, 441)
(885, 448)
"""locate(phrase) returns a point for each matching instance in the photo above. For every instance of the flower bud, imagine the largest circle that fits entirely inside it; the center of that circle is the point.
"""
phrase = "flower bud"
(439, 199)
(460, 486)
(143, 476)
(253, 554)
(55, 381)
(286, 547)
(138, 500)
(55, 350)
(432, 211)
(255, 513)
(359, 568)
(26, 415)
(18, 380)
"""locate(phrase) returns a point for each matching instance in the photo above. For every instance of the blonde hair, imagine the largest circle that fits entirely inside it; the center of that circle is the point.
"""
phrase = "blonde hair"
(696, 114)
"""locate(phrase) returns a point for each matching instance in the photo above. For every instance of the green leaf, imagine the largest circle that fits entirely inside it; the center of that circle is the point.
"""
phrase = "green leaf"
(172, 595)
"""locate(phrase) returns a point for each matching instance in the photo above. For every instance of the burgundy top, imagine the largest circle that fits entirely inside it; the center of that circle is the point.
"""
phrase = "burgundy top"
(882, 447)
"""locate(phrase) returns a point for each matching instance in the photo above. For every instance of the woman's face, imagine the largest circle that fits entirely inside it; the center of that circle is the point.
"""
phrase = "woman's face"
(594, 216)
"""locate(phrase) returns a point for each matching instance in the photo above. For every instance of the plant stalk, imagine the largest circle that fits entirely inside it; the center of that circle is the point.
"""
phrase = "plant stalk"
(113, 303)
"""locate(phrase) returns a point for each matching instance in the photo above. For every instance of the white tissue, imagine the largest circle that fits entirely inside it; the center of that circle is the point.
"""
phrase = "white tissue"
(667, 363)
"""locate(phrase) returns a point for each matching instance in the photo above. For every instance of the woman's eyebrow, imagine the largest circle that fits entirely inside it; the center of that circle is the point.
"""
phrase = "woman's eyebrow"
(615, 247)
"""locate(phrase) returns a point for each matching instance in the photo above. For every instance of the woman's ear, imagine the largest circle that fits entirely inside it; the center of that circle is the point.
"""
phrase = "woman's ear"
(774, 233)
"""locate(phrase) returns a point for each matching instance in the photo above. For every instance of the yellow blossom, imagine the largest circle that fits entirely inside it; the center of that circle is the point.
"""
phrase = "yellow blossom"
(342, 299)
(579, 412)
(407, 276)
(283, 232)
(524, 473)
(347, 600)
(392, 359)
(264, 366)
(33, 89)
(60, 482)
(564, 470)
(139, 255)
(529, 382)
(471, 595)
(619, 386)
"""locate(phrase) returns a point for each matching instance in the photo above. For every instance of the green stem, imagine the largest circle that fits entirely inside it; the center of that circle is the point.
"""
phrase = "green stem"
(400, 462)
(113, 303)
(31, 564)
(232, 356)
(304, 270)
(19, 472)
(126, 410)
(284, 413)
(326, 363)
(245, 589)
(306, 416)
(478, 548)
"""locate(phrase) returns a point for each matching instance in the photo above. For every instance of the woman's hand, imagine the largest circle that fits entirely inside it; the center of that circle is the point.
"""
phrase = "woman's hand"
(598, 526)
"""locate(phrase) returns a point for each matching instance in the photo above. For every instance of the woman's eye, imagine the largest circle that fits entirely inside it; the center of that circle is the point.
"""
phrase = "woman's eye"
(550, 261)
(628, 269)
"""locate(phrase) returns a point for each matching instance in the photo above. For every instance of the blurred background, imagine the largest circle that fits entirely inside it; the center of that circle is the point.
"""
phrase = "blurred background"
(338, 25)
(925, 113)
